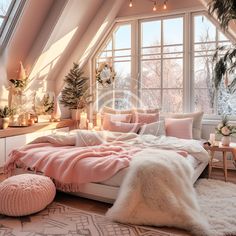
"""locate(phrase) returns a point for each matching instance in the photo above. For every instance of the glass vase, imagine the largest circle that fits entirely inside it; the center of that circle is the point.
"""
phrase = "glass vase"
(225, 140)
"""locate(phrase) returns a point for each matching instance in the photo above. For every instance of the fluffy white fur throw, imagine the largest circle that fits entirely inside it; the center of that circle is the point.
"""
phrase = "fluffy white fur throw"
(158, 191)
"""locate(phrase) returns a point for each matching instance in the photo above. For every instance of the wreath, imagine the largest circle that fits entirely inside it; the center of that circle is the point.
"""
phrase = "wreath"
(105, 75)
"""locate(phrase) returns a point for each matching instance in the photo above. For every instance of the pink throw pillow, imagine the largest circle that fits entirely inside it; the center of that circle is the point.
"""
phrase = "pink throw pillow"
(179, 128)
(124, 127)
(144, 118)
(107, 118)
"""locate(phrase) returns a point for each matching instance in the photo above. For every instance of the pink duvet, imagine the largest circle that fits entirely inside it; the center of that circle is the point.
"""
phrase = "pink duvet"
(70, 166)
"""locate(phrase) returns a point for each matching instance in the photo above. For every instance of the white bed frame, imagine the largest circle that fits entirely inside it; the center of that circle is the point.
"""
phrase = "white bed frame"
(106, 193)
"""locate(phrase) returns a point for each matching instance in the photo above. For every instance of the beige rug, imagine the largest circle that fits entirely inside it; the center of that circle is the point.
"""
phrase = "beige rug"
(58, 219)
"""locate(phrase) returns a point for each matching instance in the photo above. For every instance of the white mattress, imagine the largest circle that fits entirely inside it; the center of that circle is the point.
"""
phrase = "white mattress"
(116, 179)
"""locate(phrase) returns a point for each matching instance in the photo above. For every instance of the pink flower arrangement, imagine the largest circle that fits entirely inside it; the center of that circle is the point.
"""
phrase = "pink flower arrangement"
(224, 128)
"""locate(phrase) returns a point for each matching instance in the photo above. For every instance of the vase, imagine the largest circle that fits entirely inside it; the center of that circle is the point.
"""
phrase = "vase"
(5, 122)
(225, 141)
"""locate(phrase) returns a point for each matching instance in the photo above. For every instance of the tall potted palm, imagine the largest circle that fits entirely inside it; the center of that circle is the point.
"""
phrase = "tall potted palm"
(225, 64)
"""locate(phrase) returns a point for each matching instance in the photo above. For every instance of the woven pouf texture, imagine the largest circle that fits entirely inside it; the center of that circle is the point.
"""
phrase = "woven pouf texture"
(25, 194)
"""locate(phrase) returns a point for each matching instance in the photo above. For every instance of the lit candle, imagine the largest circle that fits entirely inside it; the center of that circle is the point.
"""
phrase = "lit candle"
(99, 120)
(212, 138)
(83, 120)
(90, 126)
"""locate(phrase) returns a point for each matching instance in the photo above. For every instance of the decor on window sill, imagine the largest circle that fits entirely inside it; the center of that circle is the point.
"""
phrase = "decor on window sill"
(75, 95)
(105, 74)
(5, 114)
(226, 130)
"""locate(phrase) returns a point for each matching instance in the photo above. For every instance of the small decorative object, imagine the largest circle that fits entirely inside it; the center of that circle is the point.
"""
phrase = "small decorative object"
(105, 74)
(212, 139)
(75, 94)
(90, 126)
(5, 113)
(226, 130)
(83, 120)
(99, 120)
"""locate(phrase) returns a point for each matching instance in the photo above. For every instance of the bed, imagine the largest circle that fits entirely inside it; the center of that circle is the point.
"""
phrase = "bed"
(108, 189)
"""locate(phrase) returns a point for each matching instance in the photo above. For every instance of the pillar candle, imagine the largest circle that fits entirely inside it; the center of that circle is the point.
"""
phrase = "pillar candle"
(99, 120)
(83, 120)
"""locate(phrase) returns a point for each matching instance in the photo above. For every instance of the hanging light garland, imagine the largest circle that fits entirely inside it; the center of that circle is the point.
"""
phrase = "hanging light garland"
(154, 4)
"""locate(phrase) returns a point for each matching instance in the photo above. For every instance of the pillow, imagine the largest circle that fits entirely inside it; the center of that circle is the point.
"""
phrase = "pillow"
(197, 122)
(144, 118)
(86, 138)
(179, 128)
(107, 118)
(114, 111)
(124, 127)
(156, 128)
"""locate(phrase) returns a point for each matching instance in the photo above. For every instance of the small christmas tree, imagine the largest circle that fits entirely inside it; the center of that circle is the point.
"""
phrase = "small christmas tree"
(74, 94)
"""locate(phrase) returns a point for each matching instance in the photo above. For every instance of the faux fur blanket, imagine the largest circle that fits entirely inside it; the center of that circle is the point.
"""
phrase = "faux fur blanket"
(158, 191)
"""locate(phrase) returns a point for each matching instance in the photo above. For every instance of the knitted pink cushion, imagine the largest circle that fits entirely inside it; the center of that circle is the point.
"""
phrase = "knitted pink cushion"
(25, 194)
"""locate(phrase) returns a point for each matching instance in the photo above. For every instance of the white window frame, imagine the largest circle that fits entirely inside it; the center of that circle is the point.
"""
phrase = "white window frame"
(188, 54)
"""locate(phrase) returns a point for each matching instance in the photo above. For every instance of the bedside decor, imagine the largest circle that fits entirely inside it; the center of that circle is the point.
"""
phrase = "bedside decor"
(226, 130)
(75, 93)
(105, 74)
(5, 114)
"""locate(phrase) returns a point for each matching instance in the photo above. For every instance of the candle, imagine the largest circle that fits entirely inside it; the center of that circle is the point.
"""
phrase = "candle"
(99, 120)
(83, 120)
(212, 138)
(90, 126)
(96, 128)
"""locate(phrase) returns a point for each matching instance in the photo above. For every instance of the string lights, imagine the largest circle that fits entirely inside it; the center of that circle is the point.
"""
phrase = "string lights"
(154, 4)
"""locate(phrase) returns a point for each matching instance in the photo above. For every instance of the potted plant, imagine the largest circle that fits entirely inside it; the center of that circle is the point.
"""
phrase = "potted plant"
(5, 113)
(226, 130)
(75, 93)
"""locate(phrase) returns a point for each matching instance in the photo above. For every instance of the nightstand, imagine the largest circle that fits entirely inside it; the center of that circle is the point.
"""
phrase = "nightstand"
(224, 150)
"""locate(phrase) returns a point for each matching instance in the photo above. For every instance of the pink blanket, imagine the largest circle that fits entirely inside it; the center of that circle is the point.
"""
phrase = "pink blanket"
(70, 166)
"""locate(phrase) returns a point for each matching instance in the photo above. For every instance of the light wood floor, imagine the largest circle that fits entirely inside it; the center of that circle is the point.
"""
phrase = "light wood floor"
(101, 208)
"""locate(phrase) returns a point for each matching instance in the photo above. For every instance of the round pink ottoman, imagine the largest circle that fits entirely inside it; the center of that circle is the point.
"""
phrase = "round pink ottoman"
(25, 194)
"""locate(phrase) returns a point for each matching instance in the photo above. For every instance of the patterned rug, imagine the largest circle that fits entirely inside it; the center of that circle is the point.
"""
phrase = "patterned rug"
(60, 220)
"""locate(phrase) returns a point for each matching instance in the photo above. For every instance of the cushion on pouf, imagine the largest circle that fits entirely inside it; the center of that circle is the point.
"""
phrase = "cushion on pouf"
(25, 194)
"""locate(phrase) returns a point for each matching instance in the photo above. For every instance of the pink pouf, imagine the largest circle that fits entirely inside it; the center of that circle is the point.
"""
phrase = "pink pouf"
(25, 194)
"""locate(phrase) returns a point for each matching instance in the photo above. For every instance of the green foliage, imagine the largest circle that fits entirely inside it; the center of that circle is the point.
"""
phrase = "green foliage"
(5, 112)
(48, 104)
(75, 93)
(225, 11)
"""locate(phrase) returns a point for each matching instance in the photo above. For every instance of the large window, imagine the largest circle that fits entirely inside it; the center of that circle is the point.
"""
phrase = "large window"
(161, 64)
(205, 41)
(117, 51)
(166, 62)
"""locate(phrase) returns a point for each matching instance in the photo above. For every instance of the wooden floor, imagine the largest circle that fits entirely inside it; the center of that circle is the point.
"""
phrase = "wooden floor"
(101, 208)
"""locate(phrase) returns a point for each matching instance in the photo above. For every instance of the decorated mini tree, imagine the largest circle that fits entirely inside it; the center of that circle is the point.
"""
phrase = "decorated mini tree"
(75, 95)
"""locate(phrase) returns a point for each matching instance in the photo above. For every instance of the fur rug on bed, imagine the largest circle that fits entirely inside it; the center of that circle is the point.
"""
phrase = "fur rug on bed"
(158, 191)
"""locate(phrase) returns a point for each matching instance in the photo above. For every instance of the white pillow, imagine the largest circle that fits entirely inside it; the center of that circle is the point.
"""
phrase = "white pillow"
(86, 138)
(156, 128)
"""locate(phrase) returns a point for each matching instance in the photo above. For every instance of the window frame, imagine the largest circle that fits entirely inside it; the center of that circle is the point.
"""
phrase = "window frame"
(188, 52)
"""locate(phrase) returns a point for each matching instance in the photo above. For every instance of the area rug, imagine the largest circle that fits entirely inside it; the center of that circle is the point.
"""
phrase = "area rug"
(217, 200)
(61, 220)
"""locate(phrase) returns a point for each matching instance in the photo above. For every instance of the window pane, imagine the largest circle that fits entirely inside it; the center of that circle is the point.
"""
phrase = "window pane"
(172, 100)
(122, 53)
(203, 101)
(173, 73)
(123, 75)
(123, 37)
(151, 98)
(4, 5)
(151, 74)
(104, 97)
(222, 37)
(204, 30)
(173, 31)
(203, 68)
(122, 100)
(151, 33)
(1, 21)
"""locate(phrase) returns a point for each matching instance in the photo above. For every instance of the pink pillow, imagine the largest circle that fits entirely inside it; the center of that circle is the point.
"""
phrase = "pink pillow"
(179, 128)
(107, 118)
(124, 127)
(145, 118)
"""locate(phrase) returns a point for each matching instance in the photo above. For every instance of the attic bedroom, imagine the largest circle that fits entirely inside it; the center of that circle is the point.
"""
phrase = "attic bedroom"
(118, 117)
